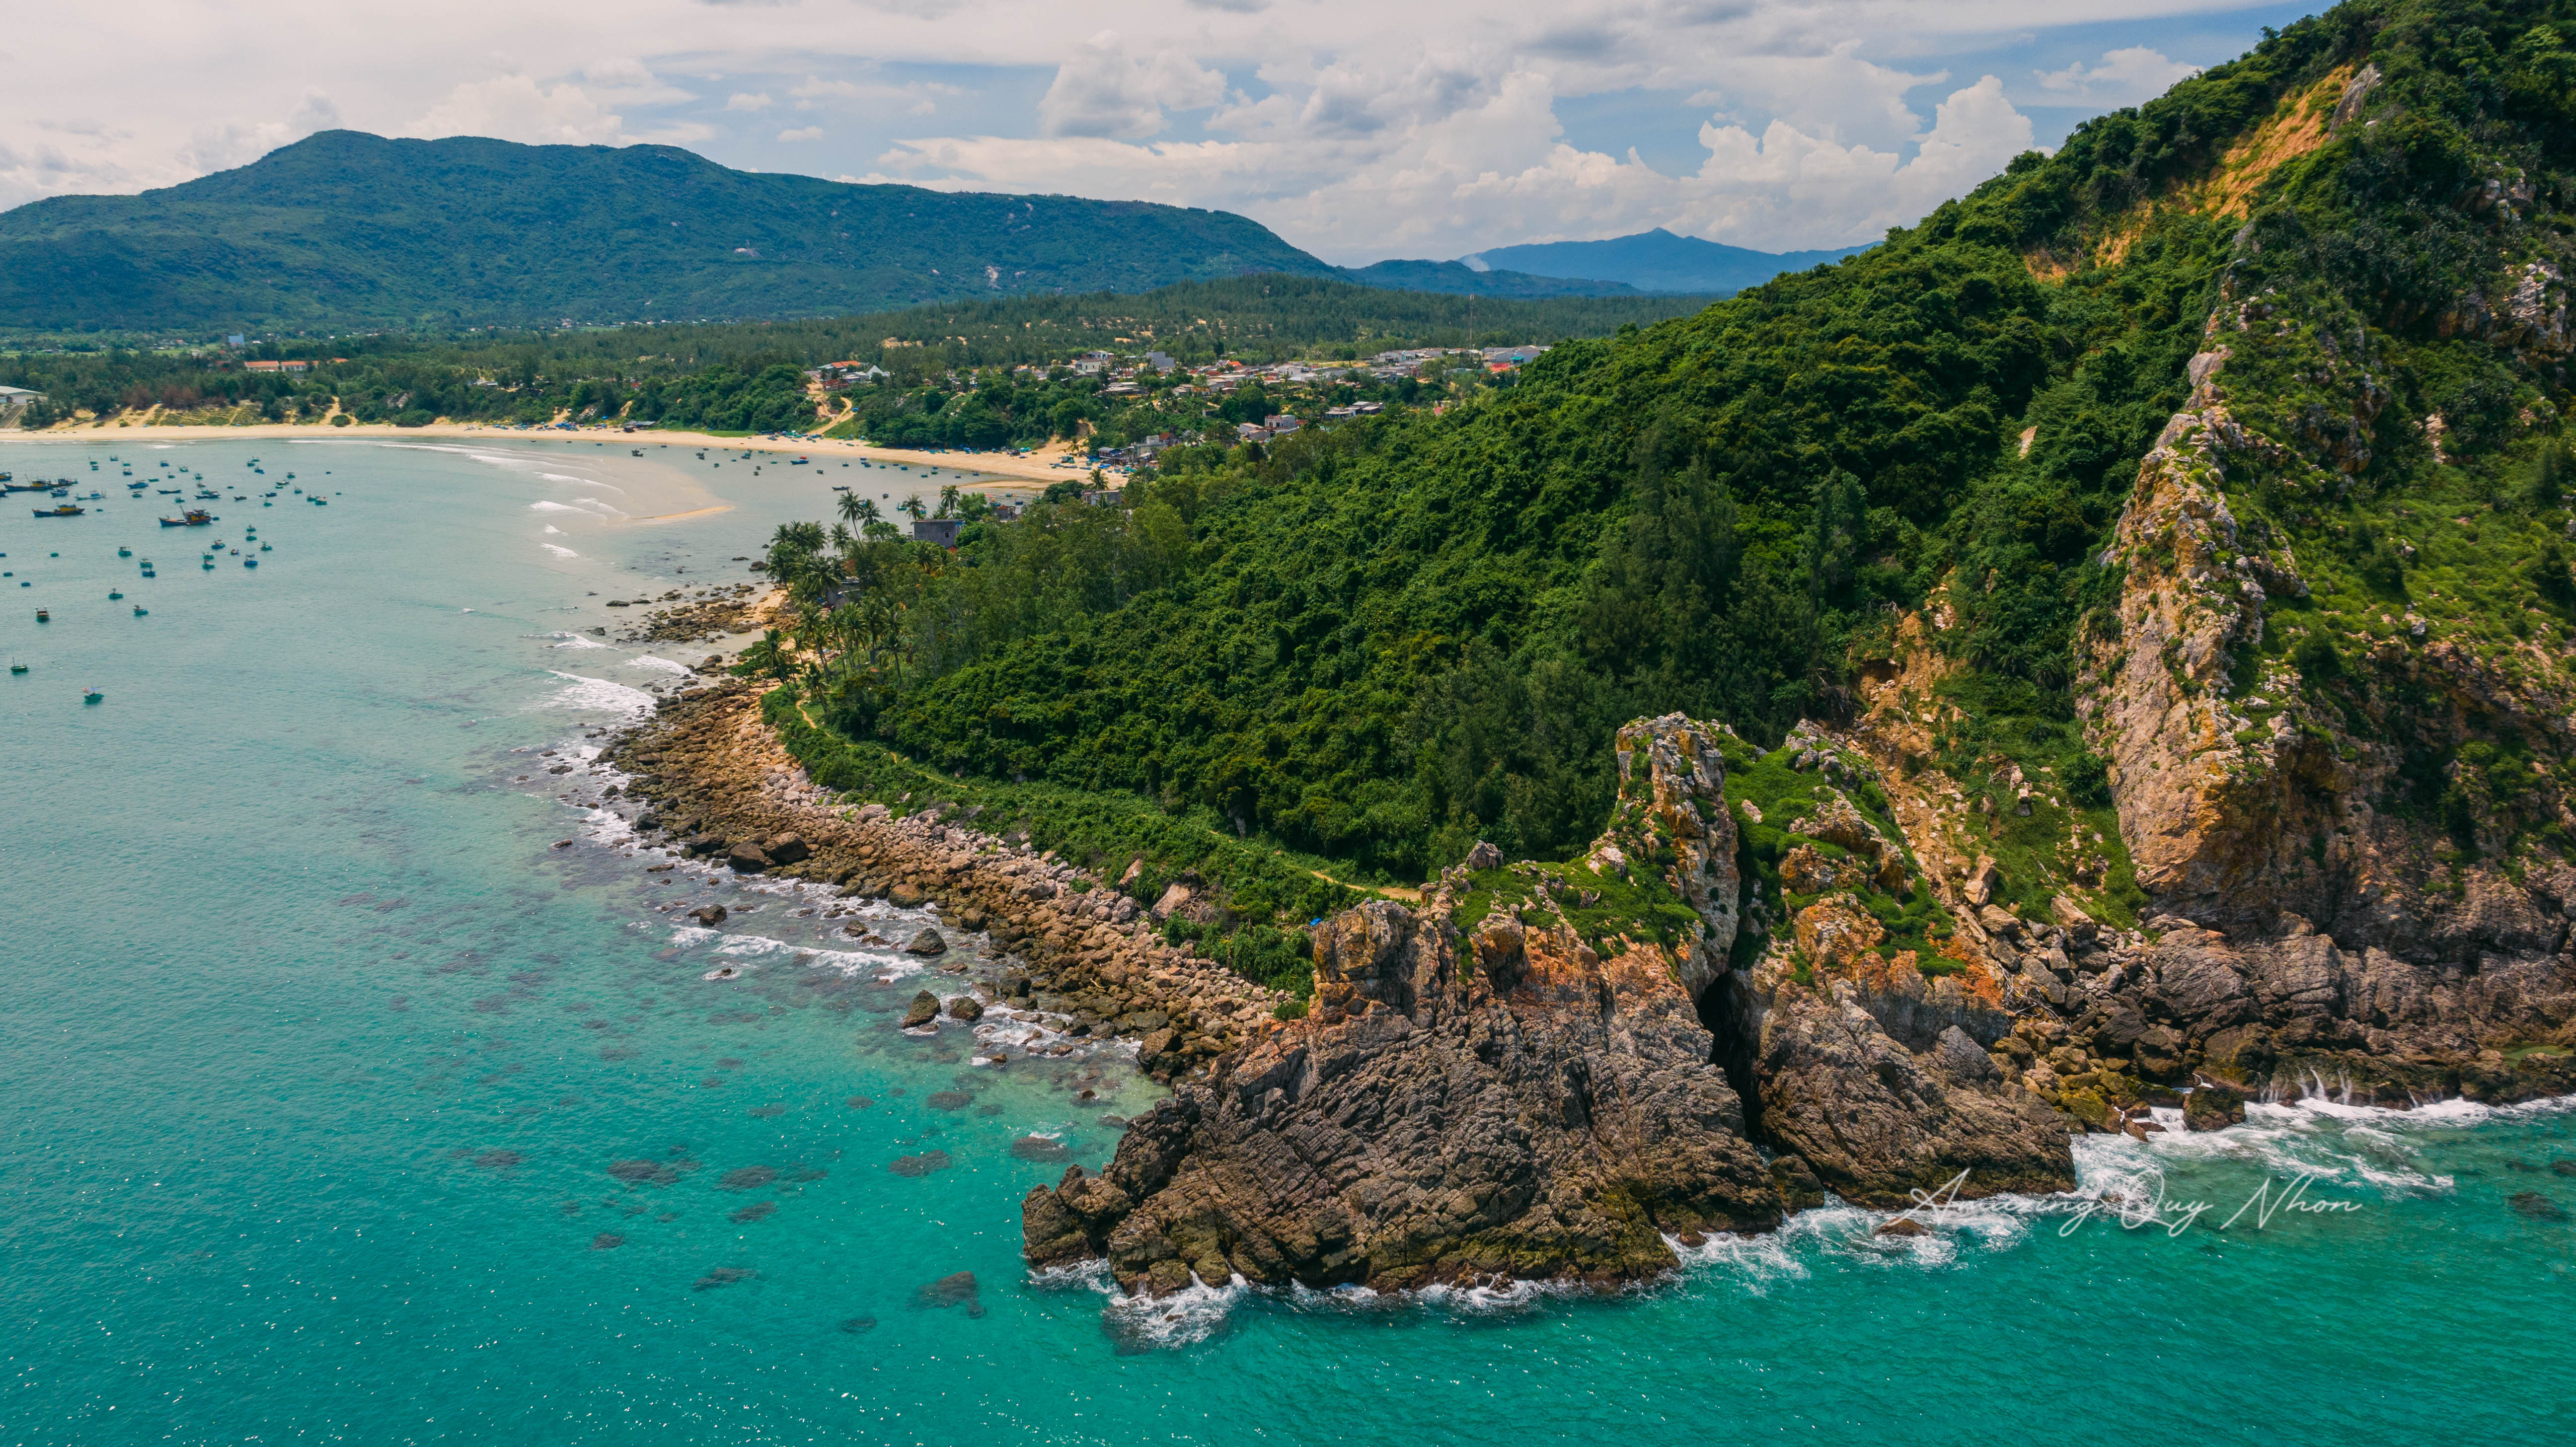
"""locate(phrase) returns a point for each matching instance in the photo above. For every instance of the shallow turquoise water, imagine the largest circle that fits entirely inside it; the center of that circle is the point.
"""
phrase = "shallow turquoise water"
(318, 1053)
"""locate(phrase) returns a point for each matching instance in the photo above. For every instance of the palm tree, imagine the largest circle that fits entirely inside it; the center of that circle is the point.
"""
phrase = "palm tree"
(854, 507)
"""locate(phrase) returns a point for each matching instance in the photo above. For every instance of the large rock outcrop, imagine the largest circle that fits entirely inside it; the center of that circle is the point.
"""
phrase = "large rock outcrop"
(2314, 925)
(1515, 1081)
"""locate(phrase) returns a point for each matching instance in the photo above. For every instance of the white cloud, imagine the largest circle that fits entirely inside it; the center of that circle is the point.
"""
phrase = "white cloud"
(515, 108)
(802, 133)
(1356, 128)
(220, 147)
(1449, 184)
(316, 112)
(2124, 78)
(1106, 91)
(626, 81)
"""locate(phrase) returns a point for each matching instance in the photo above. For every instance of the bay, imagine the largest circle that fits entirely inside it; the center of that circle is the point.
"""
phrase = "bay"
(318, 1052)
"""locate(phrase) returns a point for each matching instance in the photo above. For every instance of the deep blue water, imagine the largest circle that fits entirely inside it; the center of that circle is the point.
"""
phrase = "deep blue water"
(318, 1053)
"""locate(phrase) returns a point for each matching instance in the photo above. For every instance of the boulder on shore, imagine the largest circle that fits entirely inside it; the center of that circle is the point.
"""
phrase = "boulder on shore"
(747, 858)
(925, 1008)
(2213, 1107)
(965, 1007)
(927, 942)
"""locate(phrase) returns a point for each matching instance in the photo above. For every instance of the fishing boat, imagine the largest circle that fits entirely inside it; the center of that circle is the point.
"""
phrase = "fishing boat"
(250, 562)
(195, 517)
(125, 552)
(91, 695)
(263, 547)
(115, 595)
(320, 501)
(44, 617)
(16, 667)
(139, 610)
(60, 510)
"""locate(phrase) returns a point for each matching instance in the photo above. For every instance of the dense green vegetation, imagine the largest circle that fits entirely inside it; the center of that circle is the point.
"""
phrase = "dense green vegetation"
(747, 377)
(1382, 642)
(1260, 882)
(347, 229)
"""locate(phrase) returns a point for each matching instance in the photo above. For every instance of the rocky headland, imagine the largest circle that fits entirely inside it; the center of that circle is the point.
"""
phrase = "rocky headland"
(1563, 1071)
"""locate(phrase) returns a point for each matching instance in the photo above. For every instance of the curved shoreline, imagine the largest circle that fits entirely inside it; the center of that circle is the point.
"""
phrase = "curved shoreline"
(723, 787)
(1006, 471)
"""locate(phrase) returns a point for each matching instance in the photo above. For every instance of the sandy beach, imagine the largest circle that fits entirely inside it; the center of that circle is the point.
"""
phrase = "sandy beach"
(1034, 468)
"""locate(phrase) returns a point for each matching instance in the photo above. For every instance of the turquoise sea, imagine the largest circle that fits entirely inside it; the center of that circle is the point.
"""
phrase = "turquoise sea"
(317, 1052)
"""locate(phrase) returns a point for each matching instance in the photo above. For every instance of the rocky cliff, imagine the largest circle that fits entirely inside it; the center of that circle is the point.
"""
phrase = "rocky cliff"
(1542, 1073)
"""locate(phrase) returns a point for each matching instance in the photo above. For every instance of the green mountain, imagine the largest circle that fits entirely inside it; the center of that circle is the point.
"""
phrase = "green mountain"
(345, 228)
(1459, 279)
(2193, 501)
(1657, 260)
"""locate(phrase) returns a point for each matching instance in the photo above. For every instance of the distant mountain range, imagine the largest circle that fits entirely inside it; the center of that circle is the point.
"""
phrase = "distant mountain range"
(345, 229)
(1458, 278)
(1655, 260)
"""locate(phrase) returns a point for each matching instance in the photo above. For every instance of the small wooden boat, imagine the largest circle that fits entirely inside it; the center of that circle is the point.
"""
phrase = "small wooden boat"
(17, 667)
(140, 610)
(115, 595)
(250, 562)
(44, 617)
(91, 695)
(125, 552)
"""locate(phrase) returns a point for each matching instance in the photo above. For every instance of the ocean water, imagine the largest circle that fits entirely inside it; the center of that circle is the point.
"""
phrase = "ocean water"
(319, 1045)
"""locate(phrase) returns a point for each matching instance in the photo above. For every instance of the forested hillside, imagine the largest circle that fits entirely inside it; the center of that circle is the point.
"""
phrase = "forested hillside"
(749, 376)
(345, 229)
(1384, 641)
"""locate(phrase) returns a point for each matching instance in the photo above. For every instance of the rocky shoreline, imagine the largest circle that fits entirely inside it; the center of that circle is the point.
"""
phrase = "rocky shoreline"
(706, 615)
(1571, 1072)
(722, 788)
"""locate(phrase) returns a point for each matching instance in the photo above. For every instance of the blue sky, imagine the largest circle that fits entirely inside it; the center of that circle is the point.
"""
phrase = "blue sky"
(1359, 131)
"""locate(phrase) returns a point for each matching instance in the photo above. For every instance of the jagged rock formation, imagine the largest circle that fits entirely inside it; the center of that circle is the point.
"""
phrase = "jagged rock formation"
(1508, 1084)
(2312, 935)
